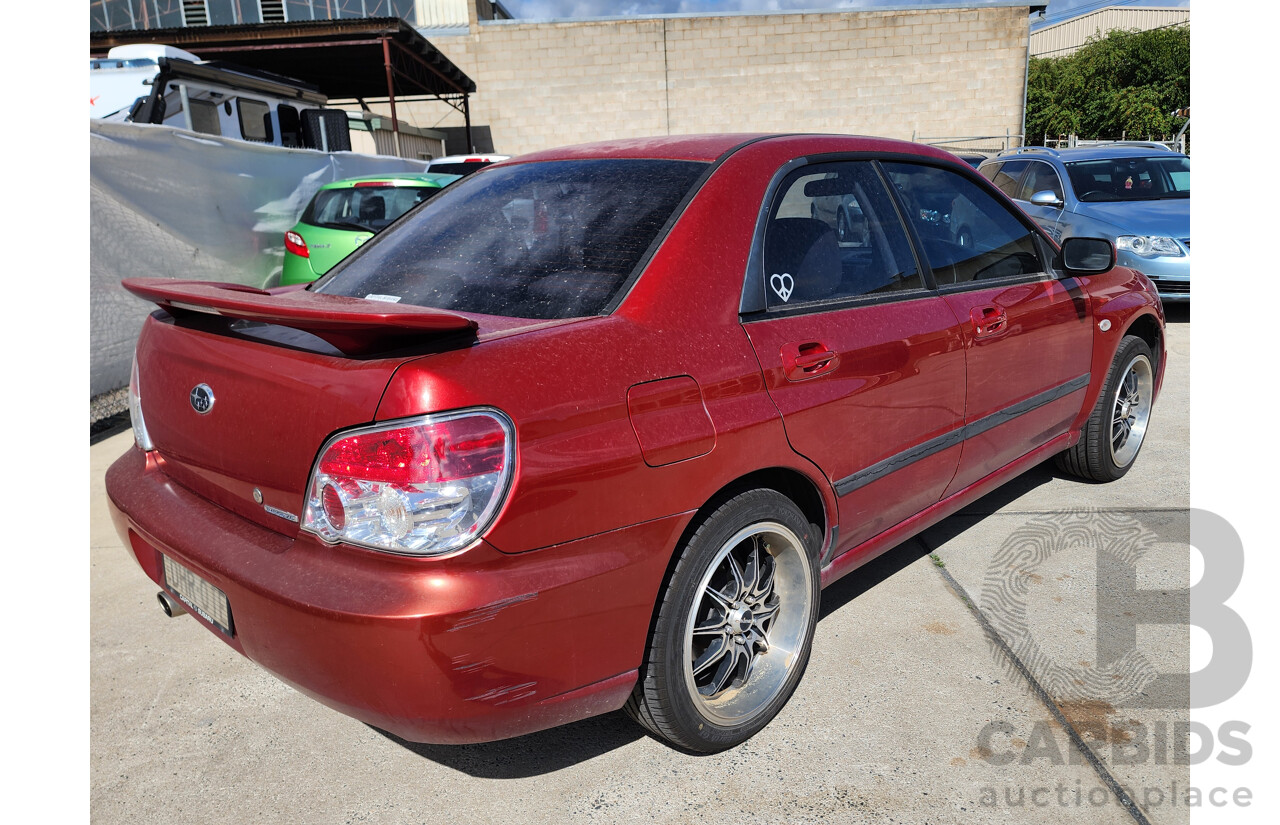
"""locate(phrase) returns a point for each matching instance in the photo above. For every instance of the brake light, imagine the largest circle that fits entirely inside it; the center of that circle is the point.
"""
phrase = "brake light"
(293, 242)
(140, 436)
(420, 487)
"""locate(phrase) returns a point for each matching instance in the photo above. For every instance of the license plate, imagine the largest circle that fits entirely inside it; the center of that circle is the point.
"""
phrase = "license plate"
(202, 598)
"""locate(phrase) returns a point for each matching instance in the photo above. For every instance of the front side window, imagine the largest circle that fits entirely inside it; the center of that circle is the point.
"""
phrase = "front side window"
(1131, 179)
(832, 234)
(966, 233)
(1041, 177)
(556, 239)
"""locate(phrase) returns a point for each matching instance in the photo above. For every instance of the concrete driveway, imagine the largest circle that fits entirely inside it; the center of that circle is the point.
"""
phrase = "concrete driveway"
(958, 678)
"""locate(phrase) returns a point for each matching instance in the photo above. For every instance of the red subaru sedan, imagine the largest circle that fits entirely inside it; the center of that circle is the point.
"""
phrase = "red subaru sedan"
(593, 428)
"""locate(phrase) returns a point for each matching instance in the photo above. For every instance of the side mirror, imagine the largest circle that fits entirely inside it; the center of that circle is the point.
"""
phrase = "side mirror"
(1087, 256)
(1046, 197)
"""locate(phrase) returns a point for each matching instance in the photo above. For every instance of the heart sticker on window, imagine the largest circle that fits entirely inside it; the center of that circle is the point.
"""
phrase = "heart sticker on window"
(783, 285)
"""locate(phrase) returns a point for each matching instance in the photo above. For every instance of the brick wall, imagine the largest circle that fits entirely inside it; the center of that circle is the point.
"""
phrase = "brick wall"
(934, 72)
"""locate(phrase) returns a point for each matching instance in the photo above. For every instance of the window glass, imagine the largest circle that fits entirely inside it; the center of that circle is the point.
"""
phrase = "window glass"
(364, 208)
(1040, 177)
(1006, 180)
(1131, 179)
(255, 119)
(833, 233)
(555, 239)
(204, 117)
(989, 170)
(966, 233)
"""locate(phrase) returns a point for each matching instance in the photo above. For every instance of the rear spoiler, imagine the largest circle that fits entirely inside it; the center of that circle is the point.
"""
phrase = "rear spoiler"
(355, 326)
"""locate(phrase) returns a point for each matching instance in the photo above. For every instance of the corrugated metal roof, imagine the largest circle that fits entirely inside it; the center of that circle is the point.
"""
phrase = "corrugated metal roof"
(1061, 39)
(344, 58)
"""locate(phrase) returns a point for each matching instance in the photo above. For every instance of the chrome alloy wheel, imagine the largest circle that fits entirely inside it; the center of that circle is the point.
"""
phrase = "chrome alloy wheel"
(1131, 410)
(750, 617)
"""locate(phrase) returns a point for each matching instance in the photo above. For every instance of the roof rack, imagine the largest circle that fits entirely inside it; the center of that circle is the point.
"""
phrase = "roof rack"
(1145, 144)
(1023, 149)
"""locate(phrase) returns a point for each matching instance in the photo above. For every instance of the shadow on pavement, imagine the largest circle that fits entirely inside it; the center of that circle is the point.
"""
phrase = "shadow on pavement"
(534, 754)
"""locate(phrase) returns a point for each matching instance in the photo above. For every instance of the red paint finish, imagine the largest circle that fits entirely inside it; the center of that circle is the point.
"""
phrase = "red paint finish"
(1044, 340)
(625, 427)
(898, 381)
(670, 420)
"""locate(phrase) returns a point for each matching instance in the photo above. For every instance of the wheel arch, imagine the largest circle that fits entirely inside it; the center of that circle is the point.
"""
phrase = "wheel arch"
(1147, 327)
(799, 487)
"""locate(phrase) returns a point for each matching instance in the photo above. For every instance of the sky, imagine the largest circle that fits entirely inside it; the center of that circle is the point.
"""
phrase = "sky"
(550, 9)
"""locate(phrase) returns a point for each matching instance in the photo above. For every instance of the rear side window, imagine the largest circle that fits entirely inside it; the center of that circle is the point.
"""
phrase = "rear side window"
(255, 119)
(966, 233)
(833, 233)
(1006, 180)
(556, 239)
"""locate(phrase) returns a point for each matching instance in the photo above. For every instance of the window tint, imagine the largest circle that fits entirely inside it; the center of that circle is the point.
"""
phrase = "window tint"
(363, 208)
(989, 170)
(555, 239)
(204, 117)
(1040, 177)
(255, 119)
(833, 233)
(1006, 180)
(1131, 179)
(967, 234)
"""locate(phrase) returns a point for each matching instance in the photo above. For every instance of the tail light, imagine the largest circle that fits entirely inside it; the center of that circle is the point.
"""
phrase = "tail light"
(140, 436)
(421, 487)
(293, 242)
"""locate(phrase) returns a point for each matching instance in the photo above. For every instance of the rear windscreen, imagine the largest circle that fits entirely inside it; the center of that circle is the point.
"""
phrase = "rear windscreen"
(459, 168)
(547, 240)
(364, 208)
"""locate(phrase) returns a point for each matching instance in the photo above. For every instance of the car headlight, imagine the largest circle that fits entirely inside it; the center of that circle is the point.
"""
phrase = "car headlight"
(1150, 246)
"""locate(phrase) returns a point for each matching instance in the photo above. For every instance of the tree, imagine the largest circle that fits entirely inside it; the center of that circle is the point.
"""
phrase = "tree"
(1123, 82)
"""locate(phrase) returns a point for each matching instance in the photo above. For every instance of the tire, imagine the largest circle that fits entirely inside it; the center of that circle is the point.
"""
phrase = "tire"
(1112, 437)
(734, 627)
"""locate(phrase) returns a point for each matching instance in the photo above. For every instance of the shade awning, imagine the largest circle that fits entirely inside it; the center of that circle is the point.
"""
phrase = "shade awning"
(345, 59)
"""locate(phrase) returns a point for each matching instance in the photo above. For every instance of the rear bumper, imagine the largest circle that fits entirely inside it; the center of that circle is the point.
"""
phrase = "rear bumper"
(474, 647)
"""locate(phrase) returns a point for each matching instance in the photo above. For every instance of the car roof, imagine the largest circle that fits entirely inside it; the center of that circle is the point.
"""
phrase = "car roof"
(436, 179)
(710, 147)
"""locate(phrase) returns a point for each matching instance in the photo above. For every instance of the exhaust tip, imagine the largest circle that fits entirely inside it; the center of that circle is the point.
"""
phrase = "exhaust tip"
(171, 606)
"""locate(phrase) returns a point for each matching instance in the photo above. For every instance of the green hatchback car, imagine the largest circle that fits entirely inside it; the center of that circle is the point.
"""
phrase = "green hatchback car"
(346, 213)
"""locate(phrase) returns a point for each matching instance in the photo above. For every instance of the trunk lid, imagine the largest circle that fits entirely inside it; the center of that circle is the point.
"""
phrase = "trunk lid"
(277, 393)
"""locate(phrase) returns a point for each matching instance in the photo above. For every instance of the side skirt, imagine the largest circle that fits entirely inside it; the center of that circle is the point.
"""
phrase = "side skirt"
(855, 557)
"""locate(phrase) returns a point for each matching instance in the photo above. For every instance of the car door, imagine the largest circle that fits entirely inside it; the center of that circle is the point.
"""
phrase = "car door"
(1028, 338)
(863, 359)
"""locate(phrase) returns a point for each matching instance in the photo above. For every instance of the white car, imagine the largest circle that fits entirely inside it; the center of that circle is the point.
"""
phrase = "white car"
(463, 164)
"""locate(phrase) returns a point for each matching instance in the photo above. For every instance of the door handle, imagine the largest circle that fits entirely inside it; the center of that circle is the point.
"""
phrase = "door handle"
(808, 359)
(989, 321)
